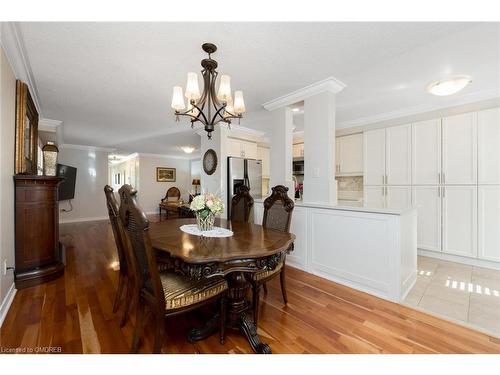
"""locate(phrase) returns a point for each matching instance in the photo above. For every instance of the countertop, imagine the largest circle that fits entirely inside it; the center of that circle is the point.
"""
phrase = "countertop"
(344, 207)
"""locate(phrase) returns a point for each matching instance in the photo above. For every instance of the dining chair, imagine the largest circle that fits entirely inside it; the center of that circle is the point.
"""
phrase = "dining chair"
(241, 205)
(125, 275)
(163, 293)
(170, 203)
(278, 209)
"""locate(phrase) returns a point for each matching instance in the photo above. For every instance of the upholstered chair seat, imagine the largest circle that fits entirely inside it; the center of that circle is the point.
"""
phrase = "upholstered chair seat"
(181, 291)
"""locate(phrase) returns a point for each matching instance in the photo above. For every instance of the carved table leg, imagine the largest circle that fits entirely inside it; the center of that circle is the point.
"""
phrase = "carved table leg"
(239, 316)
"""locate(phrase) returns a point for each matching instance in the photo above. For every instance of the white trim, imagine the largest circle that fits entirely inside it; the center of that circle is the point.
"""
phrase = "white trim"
(83, 219)
(330, 84)
(460, 259)
(7, 302)
(181, 157)
(15, 50)
(48, 125)
(419, 109)
(86, 148)
(244, 129)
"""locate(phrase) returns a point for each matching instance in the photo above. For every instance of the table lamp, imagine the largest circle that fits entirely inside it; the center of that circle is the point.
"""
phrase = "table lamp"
(196, 183)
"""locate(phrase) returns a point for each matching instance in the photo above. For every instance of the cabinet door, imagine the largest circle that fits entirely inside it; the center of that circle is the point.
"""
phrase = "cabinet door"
(263, 154)
(398, 155)
(249, 149)
(398, 197)
(374, 157)
(489, 223)
(233, 147)
(374, 196)
(460, 220)
(459, 149)
(427, 200)
(351, 154)
(298, 150)
(488, 132)
(426, 152)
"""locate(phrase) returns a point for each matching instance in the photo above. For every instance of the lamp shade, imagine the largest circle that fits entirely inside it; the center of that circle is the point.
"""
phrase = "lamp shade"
(239, 103)
(177, 99)
(224, 88)
(196, 182)
(50, 152)
(192, 88)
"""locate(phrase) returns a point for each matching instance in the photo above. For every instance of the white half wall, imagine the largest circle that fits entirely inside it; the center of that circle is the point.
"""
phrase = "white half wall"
(7, 136)
(150, 192)
(91, 177)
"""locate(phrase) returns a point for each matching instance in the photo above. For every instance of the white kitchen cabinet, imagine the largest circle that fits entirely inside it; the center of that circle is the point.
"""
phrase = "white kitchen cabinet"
(488, 132)
(298, 150)
(426, 152)
(263, 153)
(459, 142)
(427, 200)
(349, 151)
(398, 197)
(374, 157)
(489, 223)
(374, 196)
(398, 155)
(241, 148)
(459, 220)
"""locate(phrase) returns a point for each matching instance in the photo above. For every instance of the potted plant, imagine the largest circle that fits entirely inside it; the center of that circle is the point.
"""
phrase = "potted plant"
(205, 207)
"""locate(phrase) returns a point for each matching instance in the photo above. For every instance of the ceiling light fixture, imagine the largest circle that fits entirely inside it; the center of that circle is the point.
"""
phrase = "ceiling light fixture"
(295, 109)
(211, 106)
(188, 149)
(449, 86)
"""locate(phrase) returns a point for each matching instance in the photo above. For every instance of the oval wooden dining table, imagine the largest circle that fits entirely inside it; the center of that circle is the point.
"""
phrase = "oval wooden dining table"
(250, 249)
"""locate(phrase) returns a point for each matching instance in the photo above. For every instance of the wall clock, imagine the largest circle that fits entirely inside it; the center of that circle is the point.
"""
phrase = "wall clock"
(210, 162)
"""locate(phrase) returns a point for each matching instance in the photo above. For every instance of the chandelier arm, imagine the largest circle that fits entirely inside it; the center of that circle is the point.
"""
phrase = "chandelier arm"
(200, 112)
(218, 113)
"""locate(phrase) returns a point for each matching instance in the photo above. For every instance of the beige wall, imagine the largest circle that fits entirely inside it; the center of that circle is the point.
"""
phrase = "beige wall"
(151, 192)
(7, 136)
(91, 177)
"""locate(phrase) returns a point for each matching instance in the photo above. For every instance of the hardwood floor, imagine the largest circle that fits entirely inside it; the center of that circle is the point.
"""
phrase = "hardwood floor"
(75, 314)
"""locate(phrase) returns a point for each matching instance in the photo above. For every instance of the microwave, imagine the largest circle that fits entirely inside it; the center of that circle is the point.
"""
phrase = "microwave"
(298, 167)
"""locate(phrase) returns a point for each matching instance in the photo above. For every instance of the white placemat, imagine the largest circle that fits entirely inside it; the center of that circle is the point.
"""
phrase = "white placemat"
(216, 232)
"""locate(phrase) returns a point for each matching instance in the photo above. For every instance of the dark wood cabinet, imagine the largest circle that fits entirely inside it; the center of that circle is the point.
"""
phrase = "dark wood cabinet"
(39, 255)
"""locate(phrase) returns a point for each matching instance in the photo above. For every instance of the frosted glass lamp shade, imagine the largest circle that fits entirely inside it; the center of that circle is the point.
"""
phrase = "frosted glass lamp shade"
(192, 88)
(224, 88)
(239, 103)
(177, 99)
(192, 111)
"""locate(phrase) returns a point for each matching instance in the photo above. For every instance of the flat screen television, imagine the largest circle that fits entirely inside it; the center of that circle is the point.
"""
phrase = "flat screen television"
(67, 187)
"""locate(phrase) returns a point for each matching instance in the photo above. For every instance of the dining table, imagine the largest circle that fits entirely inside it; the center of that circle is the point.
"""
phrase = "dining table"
(251, 248)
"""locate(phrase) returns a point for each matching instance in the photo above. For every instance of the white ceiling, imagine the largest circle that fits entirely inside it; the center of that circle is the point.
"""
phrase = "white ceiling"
(110, 83)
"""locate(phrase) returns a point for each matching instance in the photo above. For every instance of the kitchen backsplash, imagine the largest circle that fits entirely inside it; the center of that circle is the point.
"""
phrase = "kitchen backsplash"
(350, 183)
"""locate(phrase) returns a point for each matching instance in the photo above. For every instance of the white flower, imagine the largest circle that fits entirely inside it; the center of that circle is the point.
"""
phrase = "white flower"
(209, 203)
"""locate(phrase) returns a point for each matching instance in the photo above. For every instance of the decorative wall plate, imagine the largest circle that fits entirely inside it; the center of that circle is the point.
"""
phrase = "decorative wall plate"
(210, 161)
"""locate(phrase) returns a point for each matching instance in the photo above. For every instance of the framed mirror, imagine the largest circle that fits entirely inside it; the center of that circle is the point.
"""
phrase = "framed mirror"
(26, 131)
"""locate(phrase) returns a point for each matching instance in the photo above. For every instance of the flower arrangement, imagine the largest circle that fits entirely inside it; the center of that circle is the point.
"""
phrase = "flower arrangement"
(205, 207)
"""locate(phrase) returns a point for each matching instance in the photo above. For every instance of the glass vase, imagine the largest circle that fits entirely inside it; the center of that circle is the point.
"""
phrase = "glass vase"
(205, 224)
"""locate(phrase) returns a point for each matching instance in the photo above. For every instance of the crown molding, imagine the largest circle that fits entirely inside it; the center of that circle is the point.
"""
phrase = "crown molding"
(415, 110)
(166, 156)
(12, 42)
(86, 148)
(244, 129)
(48, 125)
(330, 84)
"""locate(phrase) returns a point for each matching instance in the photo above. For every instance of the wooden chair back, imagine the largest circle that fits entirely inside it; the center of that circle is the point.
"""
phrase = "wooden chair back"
(118, 234)
(241, 205)
(278, 208)
(173, 192)
(136, 226)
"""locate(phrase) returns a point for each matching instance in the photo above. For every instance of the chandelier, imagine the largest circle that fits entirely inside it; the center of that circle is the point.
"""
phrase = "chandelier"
(212, 106)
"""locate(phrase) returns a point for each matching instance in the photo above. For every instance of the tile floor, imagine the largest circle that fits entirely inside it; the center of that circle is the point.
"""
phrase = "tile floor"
(463, 293)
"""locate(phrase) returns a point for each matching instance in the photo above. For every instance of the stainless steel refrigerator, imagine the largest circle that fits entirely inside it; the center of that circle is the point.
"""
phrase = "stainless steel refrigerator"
(246, 172)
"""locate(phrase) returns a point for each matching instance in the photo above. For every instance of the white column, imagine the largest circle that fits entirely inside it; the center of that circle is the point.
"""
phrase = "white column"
(319, 149)
(217, 182)
(281, 149)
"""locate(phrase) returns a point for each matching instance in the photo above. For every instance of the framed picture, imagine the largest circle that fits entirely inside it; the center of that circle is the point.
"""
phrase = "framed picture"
(165, 174)
(26, 150)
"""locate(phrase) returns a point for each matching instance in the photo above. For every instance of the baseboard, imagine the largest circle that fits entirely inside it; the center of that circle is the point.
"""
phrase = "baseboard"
(83, 219)
(5, 306)
(460, 259)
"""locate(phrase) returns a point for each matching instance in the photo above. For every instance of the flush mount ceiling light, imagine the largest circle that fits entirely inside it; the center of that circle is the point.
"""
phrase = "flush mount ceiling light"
(188, 149)
(449, 86)
(210, 106)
